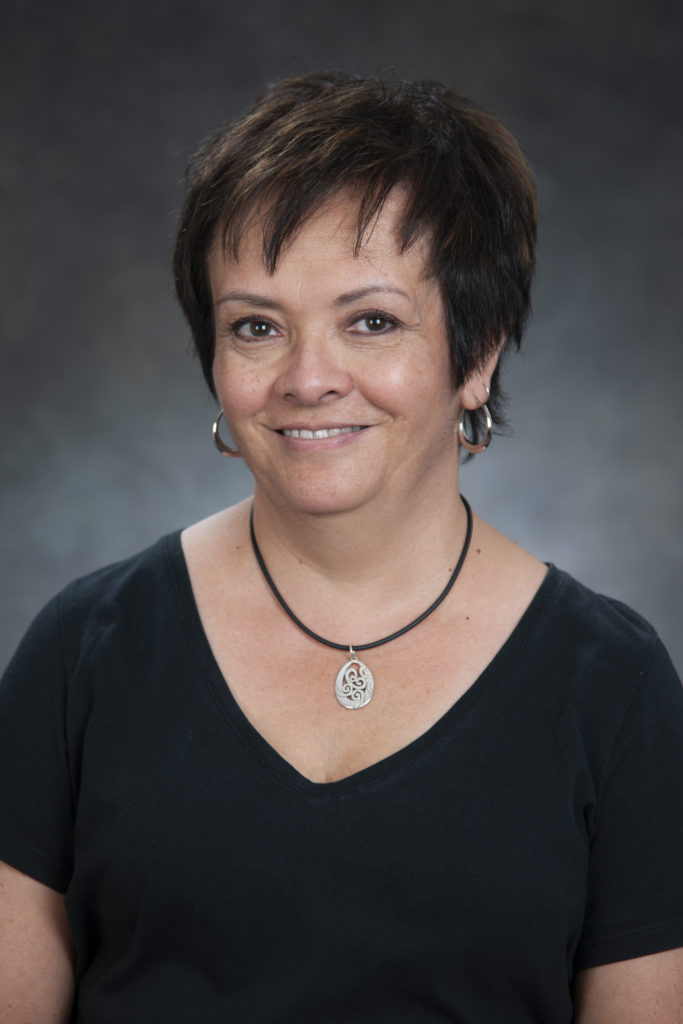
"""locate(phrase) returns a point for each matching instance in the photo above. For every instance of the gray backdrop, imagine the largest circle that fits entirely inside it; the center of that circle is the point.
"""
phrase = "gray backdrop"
(106, 423)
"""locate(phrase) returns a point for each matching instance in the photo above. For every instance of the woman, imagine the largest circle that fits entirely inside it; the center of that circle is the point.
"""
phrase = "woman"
(344, 752)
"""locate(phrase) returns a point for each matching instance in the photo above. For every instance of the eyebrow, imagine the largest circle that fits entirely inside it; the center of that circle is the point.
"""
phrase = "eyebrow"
(253, 299)
(372, 289)
(249, 297)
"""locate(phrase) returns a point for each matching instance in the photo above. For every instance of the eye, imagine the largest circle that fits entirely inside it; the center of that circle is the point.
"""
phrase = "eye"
(253, 328)
(375, 323)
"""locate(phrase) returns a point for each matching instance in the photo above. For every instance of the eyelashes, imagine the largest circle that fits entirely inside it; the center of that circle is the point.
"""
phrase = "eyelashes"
(252, 328)
(369, 323)
(377, 322)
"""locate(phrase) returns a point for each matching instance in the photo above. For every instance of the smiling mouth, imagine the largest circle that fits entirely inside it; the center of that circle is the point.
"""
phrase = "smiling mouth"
(320, 434)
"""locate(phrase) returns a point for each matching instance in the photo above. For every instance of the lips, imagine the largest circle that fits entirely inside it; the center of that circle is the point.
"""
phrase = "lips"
(318, 435)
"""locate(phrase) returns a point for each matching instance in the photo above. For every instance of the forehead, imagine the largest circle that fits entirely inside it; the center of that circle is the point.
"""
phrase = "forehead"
(328, 239)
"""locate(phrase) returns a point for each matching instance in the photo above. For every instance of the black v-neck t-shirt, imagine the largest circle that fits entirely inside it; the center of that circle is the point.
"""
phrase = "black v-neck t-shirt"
(534, 830)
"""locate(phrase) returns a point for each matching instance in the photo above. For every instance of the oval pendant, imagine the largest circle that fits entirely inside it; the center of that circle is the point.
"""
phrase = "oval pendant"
(354, 685)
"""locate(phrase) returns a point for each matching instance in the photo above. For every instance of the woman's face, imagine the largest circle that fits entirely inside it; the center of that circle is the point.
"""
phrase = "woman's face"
(334, 372)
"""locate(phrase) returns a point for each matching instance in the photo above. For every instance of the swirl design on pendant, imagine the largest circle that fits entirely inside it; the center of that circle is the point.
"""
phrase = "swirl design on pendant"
(354, 685)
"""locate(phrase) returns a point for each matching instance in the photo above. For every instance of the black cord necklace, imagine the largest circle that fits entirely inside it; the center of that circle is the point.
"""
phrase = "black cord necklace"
(355, 685)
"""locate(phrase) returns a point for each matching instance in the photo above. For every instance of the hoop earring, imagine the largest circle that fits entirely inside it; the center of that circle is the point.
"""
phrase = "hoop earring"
(474, 447)
(223, 448)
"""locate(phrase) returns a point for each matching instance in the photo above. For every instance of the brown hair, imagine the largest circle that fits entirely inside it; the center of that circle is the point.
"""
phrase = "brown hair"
(469, 190)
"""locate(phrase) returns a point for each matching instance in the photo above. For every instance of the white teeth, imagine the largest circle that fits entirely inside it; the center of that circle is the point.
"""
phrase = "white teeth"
(319, 434)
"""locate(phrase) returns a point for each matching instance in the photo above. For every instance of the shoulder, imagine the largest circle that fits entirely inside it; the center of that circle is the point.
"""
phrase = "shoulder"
(129, 580)
(582, 656)
(567, 614)
(601, 630)
(91, 607)
(603, 663)
(565, 629)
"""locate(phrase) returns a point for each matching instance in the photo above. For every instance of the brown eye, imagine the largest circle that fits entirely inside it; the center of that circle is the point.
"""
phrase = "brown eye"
(375, 323)
(250, 330)
(258, 328)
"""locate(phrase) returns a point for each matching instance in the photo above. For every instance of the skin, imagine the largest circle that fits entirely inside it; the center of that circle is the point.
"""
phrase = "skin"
(343, 341)
(647, 990)
(357, 528)
(336, 340)
(36, 979)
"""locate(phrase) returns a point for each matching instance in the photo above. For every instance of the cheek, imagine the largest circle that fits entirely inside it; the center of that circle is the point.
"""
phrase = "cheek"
(421, 380)
(241, 388)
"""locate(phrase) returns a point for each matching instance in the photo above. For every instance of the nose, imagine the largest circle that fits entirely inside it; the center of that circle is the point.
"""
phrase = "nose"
(313, 373)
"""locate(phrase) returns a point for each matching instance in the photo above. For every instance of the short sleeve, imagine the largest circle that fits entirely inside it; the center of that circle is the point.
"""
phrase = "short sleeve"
(635, 883)
(36, 807)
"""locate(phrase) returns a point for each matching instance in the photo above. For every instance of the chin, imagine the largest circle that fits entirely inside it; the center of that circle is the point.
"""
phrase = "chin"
(319, 498)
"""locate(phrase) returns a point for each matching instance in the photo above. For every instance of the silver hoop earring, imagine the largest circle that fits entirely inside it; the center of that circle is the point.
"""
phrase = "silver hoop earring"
(223, 448)
(476, 447)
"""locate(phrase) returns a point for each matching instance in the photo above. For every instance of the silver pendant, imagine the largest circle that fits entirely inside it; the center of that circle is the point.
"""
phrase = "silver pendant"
(354, 685)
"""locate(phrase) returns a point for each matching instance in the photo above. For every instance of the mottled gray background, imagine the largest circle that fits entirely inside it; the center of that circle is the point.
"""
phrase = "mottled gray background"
(105, 437)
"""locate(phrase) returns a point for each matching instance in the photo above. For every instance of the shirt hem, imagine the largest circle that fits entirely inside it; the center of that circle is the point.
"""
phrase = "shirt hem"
(32, 863)
(642, 942)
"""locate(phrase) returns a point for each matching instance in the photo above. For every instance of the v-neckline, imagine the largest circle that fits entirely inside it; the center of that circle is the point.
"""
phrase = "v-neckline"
(492, 676)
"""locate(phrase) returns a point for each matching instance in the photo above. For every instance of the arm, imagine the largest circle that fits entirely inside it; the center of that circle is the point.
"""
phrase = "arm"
(36, 952)
(646, 990)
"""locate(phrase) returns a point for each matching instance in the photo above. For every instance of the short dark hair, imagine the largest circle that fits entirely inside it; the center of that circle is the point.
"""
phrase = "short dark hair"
(305, 139)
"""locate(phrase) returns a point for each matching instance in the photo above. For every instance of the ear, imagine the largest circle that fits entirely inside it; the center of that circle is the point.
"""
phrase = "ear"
(475, 390)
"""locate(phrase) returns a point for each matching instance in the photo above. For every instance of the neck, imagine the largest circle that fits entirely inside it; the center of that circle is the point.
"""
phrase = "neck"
(395, 634)
(357, 543)
(372, 569)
